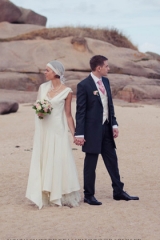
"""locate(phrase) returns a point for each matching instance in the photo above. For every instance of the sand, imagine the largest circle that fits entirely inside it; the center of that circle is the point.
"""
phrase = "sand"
(138, 149)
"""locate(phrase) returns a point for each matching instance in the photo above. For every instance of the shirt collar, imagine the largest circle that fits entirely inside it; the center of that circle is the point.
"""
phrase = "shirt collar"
(96, 79)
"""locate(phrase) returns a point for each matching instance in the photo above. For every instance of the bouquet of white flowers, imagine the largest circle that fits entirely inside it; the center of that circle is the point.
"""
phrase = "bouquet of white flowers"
(42, 108)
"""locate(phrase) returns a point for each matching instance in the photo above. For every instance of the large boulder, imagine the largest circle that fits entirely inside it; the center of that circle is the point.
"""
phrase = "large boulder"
(132, 93)
(125, 87)
(151, 64)
(128, 88)
(8, 107)
(21, 81)
(30, 17)
(73, 78)
(153, 55)
(8, 30)
(133, 88)
(32, 56)
(133, 75)
(9, 12)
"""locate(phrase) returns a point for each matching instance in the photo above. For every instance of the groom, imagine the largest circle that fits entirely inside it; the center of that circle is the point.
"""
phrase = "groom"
(96, 128)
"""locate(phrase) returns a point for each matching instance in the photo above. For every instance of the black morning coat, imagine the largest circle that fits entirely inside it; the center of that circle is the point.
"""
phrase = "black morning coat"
(89, 114)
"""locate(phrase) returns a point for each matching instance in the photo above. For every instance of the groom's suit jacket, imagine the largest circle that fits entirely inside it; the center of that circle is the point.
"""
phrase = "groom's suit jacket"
(89, 114)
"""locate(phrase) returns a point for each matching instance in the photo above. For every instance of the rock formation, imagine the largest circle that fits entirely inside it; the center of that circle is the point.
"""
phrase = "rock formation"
(8, 30)
(30, 17)
(9, 12)
(8, 107)
(133, 75)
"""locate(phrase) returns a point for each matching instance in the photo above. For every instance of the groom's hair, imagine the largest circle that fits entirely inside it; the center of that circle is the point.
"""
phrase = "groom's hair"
(96, 61)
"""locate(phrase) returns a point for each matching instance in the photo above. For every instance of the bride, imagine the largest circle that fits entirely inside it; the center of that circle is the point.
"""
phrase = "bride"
(53, 176)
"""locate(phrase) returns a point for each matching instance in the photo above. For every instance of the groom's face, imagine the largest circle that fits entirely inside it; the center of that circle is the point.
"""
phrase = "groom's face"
(103, 70)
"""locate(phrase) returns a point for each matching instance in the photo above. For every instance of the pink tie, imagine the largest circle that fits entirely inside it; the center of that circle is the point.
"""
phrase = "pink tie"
(101, 86)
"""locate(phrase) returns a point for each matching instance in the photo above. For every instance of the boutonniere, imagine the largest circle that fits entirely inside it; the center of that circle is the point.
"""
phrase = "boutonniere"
(96, 93)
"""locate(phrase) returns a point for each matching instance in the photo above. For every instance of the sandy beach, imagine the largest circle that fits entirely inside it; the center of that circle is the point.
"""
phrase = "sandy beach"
(138, 149)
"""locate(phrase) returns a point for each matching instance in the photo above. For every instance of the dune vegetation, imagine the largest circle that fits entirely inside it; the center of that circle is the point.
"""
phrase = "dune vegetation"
(112, 36)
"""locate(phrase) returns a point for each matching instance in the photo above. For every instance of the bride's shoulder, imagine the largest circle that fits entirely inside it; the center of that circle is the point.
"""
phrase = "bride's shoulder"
(68, 88)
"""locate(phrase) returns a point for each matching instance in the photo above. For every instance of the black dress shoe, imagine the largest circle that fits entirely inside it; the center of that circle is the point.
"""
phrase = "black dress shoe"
(124, 196)
(92, 201)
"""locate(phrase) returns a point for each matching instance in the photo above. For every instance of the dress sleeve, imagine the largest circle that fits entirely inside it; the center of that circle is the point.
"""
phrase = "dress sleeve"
(70, 90)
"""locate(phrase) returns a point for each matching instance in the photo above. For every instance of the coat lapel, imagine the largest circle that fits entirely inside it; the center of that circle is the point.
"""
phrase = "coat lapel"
(94, 87)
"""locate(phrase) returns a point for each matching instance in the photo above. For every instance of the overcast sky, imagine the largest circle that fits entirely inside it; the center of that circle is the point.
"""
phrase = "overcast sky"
(137, 19)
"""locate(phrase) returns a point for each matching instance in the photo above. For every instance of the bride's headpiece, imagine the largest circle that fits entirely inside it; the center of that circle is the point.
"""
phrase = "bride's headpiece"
(58, 68)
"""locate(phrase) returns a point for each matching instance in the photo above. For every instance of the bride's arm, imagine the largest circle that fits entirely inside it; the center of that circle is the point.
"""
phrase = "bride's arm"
(70, 120)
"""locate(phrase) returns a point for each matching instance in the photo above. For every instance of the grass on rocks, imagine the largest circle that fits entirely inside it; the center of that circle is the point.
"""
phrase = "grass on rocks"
(113, 36)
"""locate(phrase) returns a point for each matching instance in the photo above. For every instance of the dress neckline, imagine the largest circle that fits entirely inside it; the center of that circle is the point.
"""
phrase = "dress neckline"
(57, 94)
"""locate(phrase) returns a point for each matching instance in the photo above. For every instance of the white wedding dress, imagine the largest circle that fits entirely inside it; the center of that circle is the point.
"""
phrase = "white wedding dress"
(53, 176)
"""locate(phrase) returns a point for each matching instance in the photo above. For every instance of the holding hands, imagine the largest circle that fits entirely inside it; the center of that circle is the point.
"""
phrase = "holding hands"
(79, 141)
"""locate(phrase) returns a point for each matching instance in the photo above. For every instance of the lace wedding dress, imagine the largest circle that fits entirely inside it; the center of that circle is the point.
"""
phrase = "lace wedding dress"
(53, 176)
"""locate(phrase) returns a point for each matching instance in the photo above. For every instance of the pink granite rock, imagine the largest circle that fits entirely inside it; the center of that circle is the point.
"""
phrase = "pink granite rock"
(7, 107)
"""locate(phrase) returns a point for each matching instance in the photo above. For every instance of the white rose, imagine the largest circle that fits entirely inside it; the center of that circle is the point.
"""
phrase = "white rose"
(39, 107)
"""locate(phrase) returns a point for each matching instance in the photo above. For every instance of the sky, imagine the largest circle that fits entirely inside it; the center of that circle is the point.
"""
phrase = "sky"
(137, 19)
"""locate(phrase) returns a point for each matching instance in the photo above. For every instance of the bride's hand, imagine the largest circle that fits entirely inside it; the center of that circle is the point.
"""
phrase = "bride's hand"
(74, 139)
(79, 141)
(40, 114)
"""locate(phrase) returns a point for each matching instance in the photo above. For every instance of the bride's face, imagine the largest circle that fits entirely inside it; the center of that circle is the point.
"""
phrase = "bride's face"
(49, 74)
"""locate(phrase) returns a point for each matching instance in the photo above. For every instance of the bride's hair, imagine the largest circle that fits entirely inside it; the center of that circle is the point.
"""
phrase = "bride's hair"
(57, 76)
